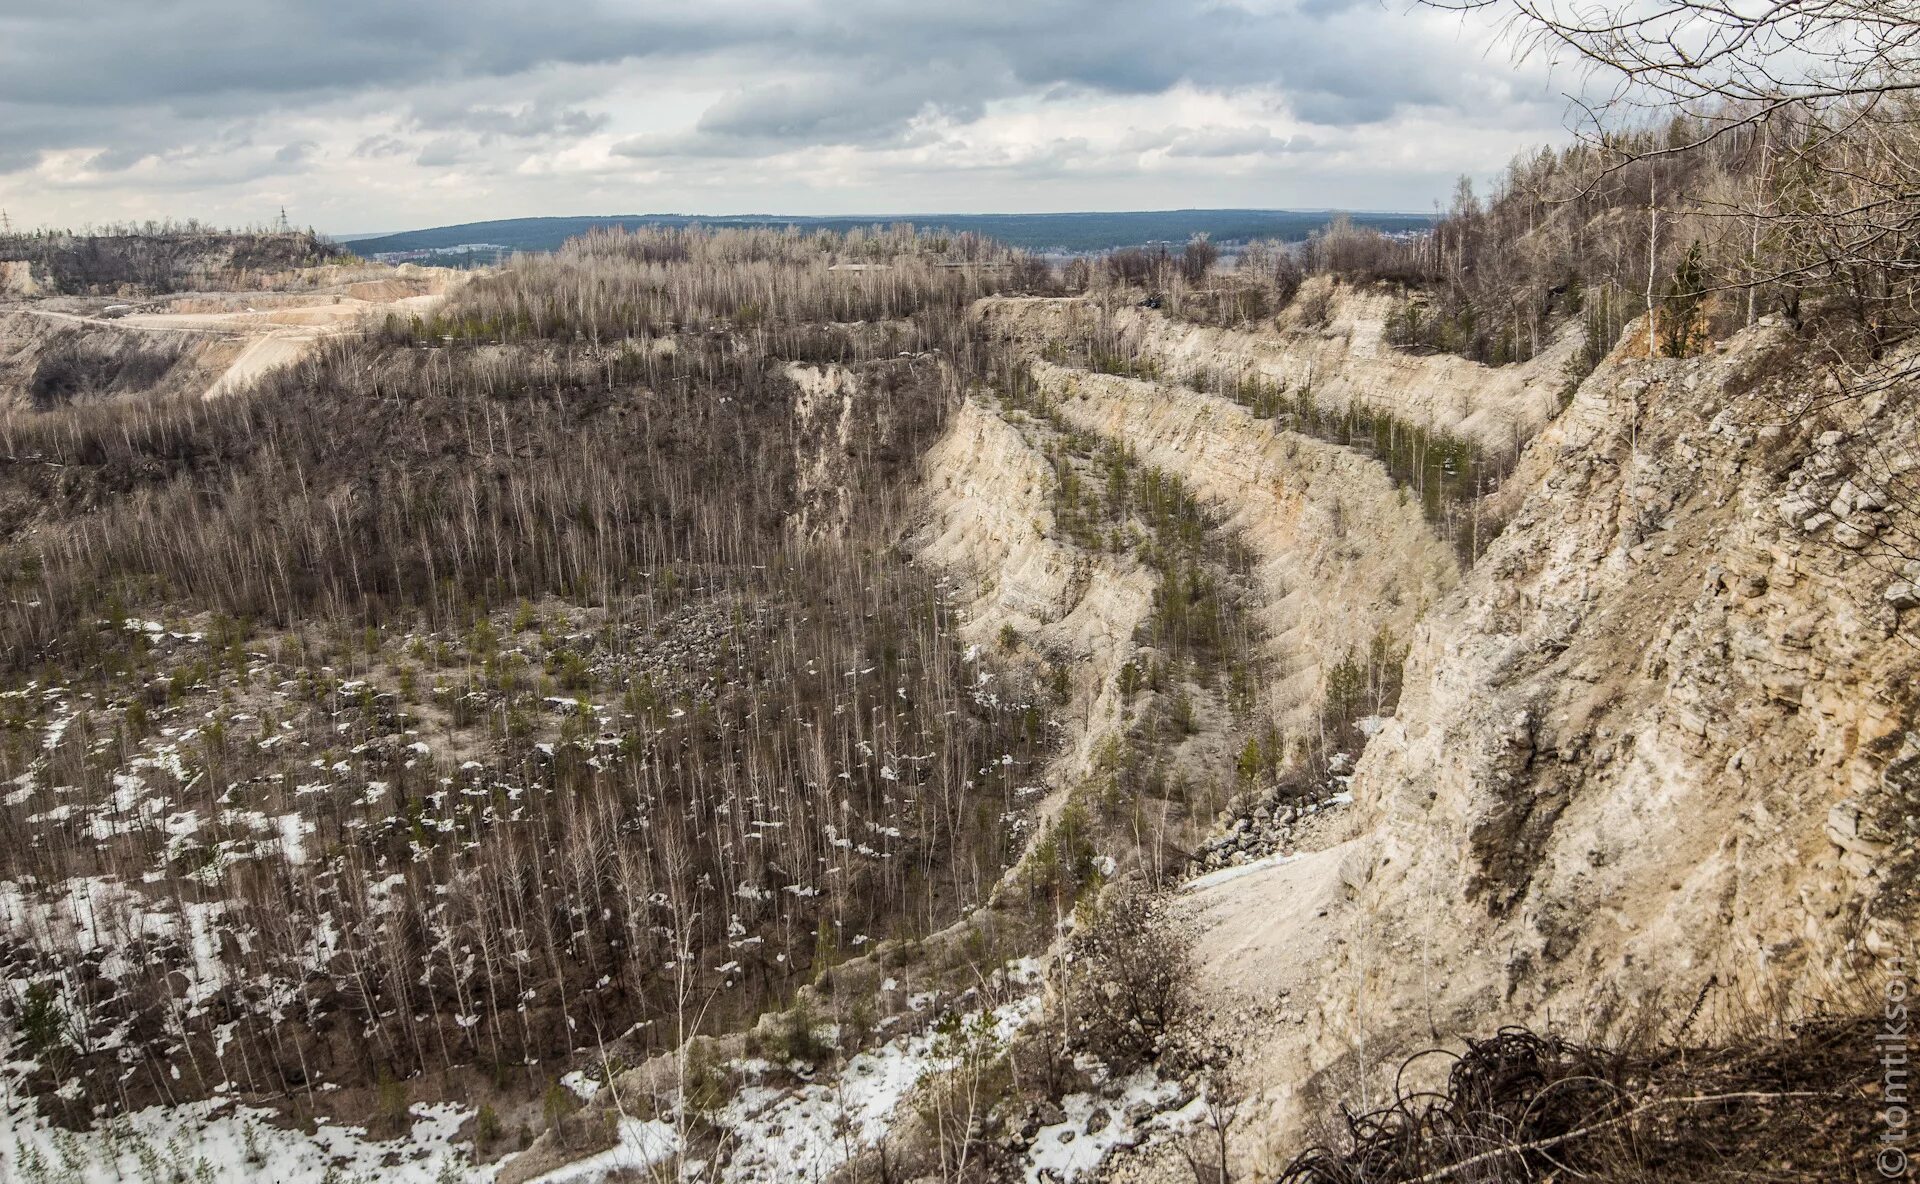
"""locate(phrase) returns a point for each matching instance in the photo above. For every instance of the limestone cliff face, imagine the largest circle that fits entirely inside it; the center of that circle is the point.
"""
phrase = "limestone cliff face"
(1345, 360)
(1342, 554)
(1660, 741)
(992, 521)
(990, 525)
(1680, 684)
(17, 279)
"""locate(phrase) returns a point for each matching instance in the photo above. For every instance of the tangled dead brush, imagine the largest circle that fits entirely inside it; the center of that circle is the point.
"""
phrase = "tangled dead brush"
(1524, 1106)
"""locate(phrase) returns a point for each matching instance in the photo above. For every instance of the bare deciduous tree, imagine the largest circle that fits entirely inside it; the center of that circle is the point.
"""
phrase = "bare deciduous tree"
(1826, 90)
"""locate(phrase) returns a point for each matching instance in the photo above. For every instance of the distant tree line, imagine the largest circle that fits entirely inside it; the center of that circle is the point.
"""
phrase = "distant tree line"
(154, 258)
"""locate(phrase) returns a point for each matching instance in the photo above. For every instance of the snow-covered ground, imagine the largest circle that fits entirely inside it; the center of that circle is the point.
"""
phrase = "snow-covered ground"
(804, 1133)
(776, 1133)
(218, 1142)
(641, 1145)
(1141, 1108)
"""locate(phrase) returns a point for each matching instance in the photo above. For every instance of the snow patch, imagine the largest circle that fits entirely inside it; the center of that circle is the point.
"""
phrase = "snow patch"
(216, 1142)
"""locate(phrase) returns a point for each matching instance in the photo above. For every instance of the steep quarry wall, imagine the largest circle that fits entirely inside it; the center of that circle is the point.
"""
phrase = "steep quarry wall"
(48, 359)
(989, 522)
(1660, 742)
(1342, 361)
(1657, 746)
(17, 280)
(1342, 555)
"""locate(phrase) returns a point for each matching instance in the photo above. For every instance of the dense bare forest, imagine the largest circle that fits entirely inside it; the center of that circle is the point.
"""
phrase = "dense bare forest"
(532, 675)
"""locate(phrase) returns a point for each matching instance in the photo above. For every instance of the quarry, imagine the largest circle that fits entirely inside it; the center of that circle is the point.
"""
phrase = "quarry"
(1421, 686)
(1103, 740)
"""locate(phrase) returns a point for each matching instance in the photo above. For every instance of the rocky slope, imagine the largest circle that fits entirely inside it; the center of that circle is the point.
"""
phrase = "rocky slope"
(1341, 554)
(1657, 751)
(60, 350)
(1655, 747)
(46, 360)
(990, 525)
(1342, 360)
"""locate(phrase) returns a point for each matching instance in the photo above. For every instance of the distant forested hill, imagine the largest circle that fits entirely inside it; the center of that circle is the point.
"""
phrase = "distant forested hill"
(1034, 232)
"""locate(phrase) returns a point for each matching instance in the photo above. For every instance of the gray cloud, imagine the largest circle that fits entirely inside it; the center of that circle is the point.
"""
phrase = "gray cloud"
(872, 108)
(444, 152)
(380, 147)
(860, 57)
(103, 52)
(534, 120)
(493, 83)
(116, 160)
(830, 110)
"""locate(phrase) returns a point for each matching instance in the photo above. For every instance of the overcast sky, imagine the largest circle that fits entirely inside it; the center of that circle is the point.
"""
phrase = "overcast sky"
(364, 115)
